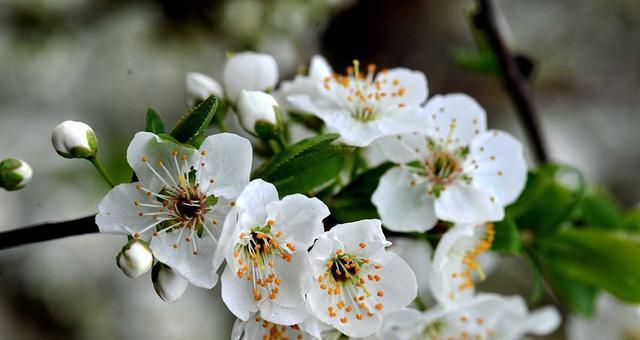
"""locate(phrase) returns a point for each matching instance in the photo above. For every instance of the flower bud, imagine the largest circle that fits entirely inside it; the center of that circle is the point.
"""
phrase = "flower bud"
(254, 107)
(14, 174)
(169, 285)
(74, 140)
(249, 71)
(200, 86)
(135, 258)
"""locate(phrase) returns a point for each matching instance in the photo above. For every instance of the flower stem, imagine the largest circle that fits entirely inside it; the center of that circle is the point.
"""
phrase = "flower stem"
(103, 172)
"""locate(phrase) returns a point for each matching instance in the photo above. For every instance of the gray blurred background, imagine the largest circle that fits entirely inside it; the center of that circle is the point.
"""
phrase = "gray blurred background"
(104, 62)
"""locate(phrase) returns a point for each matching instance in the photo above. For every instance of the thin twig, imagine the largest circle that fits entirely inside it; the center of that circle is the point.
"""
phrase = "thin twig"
(47, 231)
(515, 83)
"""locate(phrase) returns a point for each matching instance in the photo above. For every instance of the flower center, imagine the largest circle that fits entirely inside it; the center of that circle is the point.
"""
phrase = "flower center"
(255, 253)
(442, 167)
(280, 332)
(350, 282)
(362, 93)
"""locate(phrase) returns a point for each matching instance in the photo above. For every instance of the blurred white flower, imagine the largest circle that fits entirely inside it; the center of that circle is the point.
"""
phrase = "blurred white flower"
(417, 254)
(168, 283)
(181, 200)
(265, 242)
(135, 258)
(254, 107)
(249, 71)
(612, 320)
(489, 316)
(304, 84)
(457, 172)
(256, 328)
(356, 280)
(73, 139)
(403, 324)
(200, 86)
(456, 261)
(14, 174)
(365, 106)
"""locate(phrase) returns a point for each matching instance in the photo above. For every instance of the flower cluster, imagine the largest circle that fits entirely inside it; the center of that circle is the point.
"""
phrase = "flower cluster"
(289, 267)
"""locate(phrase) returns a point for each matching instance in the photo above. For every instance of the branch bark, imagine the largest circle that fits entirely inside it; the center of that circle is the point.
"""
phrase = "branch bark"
(47, 231)
(515, 83)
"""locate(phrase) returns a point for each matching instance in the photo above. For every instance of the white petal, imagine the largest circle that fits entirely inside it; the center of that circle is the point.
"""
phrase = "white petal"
(200, 86)
(414, 84)
(403, 148)
(249, 71)
(299, 218)
(253, 201)
(469, 118)
(296, 278)
(398, 282)
(319, 68)
(236, 294)
(417, 254)
(117, 213)
(229, 229)
(463, 203)
(500, 164)
(285, 316)
(540, 322)
(401, 205)
(352, 234)
(147, 150)
(227, 162)
(196, 268)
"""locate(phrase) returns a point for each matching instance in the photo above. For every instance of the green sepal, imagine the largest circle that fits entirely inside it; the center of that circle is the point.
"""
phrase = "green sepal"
(191, 127)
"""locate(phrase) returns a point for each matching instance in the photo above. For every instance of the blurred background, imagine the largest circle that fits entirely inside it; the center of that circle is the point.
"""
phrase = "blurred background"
(104, 62)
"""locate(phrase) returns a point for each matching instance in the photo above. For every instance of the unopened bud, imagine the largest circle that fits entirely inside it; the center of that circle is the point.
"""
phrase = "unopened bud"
(74, 140)
(249, 71)
(14, 174)
(169, 285)
(135, 258)
(200, 87)
(256, 107)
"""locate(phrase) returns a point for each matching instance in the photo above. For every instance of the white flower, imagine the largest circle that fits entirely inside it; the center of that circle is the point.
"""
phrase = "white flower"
(249, 71)
(254, 107)
(403, 324)
(14, 174)
(364, 107)
(489, 316)
(256, 328)
(458, 172)
(417, 254)
(265, 242)
(135, 258)
(308, 85)
(200, 86)
(456, 261)
(168, 284)
(73, 139)
(356, 280)
(612, 320)
(181, 200)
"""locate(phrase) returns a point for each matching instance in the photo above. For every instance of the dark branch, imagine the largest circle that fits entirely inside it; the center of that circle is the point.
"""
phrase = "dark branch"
(515, 83)
(47, 231)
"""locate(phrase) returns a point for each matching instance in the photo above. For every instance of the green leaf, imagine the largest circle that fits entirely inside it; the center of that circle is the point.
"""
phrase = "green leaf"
(191, 127)
(507, 237)
(631, 220)
(353, 202)
(577, 296)
(153, 122)
(598, 210)
(597, 258)
(286, 155)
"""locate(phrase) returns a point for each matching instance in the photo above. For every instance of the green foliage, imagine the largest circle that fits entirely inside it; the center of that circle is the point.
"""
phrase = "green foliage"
(507, 237)
(153, 123)
(191, 127)
(600, 211)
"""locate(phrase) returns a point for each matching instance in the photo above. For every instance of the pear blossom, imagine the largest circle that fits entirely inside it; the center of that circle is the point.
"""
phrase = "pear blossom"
(181, 200)
(403, 324)
(200, 86)
(255, 107)
(304, 84)
(249, 71)
(73, 139)
(15, 174)
(356, 280)
(135, 258)
(265, 242)
(489, 316)
(612, 320)
(362, 107)
(168, 284)
(457, 172)
(456, 260)
(417, 253)
(256, 328)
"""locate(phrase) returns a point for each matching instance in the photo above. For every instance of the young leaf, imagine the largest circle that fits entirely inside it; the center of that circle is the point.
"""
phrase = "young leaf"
(153, 122)
(191, 127)
(598, 210)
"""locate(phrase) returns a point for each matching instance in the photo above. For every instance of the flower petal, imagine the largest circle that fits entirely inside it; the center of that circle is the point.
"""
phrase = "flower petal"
(249, 71)
(253, 201)
(403, 148)
(118, 214)
(459, 109)
(227, 165)
(285, 316)
(351, 235)
(236, 294)
(463, 203)
(398, 284)
(409, 87)
(500, 165)
(417, 254)
(403, 204)
(148, 153)
(299, 218)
